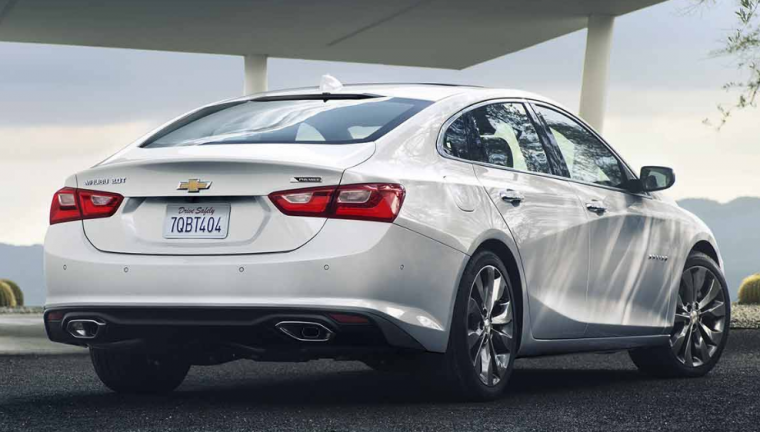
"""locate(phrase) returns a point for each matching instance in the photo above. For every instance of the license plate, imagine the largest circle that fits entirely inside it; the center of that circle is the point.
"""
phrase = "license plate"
(197, 221)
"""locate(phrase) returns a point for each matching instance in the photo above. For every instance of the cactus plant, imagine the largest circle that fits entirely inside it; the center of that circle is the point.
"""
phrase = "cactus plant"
(749, 292)
(6, 296)
(17, 293)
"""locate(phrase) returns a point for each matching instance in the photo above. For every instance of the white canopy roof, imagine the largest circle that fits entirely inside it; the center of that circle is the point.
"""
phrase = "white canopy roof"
(433, 33)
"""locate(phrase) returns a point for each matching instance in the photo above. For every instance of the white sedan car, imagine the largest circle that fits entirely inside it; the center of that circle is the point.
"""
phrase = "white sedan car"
(452, 227)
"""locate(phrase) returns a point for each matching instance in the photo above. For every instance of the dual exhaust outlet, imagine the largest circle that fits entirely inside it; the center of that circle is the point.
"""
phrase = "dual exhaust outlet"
(303, 331)
(85, 328)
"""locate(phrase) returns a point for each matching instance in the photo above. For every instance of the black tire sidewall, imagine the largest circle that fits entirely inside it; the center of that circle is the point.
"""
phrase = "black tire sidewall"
(125, 371)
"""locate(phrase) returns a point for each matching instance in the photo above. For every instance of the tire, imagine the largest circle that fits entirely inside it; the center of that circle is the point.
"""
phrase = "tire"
(464, 362)
(138, 373)
(704, 337)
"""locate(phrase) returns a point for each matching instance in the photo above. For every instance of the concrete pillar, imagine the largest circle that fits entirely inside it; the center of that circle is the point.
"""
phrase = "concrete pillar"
(596, 70)
(255, 74)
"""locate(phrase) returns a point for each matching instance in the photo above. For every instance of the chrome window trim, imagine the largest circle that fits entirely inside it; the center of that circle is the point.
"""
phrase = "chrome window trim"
(590, 130)
(528, 103)
(607, 145)
(455, 117)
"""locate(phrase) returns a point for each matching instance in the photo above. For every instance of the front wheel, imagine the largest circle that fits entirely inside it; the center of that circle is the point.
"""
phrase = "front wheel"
(482, 344)
(136, 372)
(700, 327)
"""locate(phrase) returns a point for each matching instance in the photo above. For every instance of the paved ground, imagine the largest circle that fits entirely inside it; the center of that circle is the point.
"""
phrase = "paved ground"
(25, 333)
(581, 392)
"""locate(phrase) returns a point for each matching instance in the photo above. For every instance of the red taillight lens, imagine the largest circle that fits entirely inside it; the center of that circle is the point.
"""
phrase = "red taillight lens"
(65, 206)
(71, 204)
(304, 202)
(375, 202)
(98, 204)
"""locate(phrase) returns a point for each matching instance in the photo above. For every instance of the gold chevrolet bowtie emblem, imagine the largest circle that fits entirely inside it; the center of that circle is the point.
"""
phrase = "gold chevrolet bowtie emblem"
(194, 185)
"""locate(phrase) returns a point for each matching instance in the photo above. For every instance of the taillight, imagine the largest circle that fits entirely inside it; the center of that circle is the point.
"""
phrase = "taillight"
(65, 206)
(304, 202)
(374, 202)
(71, 204)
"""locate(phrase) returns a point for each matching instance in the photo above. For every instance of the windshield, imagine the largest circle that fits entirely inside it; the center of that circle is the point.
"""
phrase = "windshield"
(334, 121)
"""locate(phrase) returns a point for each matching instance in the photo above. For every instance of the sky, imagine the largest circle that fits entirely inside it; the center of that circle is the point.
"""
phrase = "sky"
(63, 109)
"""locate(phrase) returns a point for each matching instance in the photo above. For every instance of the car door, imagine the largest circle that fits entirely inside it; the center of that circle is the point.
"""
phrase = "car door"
(624, 299)
(543, 213)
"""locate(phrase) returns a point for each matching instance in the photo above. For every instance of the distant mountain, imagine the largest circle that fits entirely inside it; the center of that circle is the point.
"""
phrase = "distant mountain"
(736, 226)
(23, 265)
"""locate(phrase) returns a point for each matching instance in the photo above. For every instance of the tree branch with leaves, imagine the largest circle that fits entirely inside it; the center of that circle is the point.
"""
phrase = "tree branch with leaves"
(742, 44)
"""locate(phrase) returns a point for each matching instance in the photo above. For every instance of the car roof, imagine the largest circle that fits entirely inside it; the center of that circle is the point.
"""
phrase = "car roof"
(425, 91)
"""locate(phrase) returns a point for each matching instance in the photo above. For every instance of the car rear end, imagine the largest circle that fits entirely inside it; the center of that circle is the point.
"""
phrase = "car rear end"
(229, 233)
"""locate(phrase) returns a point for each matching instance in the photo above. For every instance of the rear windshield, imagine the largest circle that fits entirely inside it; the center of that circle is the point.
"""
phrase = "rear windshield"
(335, 121)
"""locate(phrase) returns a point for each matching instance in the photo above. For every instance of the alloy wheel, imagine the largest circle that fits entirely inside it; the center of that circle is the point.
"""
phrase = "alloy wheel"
(490, 325)
(700, 317)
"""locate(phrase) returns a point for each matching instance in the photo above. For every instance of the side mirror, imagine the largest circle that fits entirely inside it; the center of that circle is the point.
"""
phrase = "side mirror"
(656, 178)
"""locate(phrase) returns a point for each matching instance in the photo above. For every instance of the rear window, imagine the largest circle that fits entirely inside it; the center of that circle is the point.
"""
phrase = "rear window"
(304, 121)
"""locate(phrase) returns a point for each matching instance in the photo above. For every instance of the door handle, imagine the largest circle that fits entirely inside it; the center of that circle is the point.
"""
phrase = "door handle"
(511, 196)
(596, 206)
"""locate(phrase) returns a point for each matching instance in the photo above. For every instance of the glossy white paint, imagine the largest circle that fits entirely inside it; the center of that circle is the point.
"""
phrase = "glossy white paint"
(585, 280)
(240, 175)
(350, 265)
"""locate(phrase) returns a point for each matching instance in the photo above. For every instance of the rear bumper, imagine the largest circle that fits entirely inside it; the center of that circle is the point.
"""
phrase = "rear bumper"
(242, 330)
(379, 270)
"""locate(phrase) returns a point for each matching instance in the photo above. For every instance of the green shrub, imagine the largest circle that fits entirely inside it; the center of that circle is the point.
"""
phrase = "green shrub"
(17, 293)
(7, 298)
(749, 292)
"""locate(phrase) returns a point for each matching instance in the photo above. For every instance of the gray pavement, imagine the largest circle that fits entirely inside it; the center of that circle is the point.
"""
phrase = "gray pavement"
(25, 334)
(589, 392)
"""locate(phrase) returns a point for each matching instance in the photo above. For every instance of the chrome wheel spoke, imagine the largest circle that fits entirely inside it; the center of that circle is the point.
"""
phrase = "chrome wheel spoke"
(499, 286)
(678, 340)
(485, 365)
(489, 283)
(713, 336)
(681, 305)
(505, 317)
(688, 358)
(502, 339)
(686, 292)
(479, 290)
(698, 276)
(479, 344)
(712, 292)
(682, 317)
(474, 313)
(701, 348)
(474, 338)
(717, 311)
(699, 318)
(490, 322)
(500, 362)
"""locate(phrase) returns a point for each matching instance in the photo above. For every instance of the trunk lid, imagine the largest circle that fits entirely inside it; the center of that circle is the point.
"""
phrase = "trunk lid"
(232, 181)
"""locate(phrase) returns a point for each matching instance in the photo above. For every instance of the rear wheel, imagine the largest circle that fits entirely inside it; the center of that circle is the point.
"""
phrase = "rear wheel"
(482, 343)
(136, 372)
(700, 328)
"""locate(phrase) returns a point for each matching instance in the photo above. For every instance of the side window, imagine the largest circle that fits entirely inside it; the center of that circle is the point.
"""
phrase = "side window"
(498, 134)
(587, 158)
(457, 138)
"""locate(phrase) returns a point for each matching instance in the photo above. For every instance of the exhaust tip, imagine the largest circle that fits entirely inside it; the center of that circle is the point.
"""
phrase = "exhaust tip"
(305, 331)
(85, 328)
